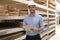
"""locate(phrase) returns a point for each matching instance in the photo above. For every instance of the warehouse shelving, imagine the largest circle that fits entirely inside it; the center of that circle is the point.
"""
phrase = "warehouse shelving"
(38, 5)
(11, 17)
(52, 23)
(21, 38)
(11, 14)
(44, 32)
(10, 30)
(45, 23)
(45, 18)
(43, 2)
(12, 36)
(51, 14)
(51, 34)
(51, 29)
(51, 18)
(52, 26)
(44, 8)
(52, 4)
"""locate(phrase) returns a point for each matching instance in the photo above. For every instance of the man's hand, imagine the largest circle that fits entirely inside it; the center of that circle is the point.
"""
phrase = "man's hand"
(36, 29)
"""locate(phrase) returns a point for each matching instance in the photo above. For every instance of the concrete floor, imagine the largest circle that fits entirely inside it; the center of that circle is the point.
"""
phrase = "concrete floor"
(57, 35)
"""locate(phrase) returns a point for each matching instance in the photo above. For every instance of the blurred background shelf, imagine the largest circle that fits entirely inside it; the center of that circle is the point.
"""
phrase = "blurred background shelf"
(12, 13)
(11, 17)
(10, 31)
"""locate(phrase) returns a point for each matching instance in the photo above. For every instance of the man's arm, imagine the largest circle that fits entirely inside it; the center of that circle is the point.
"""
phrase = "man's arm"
(24, 23)
(41, 24)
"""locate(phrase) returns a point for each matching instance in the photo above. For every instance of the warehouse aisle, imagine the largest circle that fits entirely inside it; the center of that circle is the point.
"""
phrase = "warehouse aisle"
(57, 35)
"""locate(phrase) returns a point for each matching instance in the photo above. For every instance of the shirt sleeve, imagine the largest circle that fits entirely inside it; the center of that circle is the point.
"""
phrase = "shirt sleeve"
(24, 22)
(41, 23)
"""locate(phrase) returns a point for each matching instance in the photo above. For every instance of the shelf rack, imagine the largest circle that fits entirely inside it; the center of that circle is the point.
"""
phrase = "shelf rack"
(45, 8)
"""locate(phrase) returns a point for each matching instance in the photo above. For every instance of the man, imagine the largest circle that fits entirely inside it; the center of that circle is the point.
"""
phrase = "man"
(36, 21)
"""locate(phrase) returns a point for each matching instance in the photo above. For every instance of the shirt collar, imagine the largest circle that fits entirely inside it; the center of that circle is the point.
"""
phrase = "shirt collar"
(32, 15)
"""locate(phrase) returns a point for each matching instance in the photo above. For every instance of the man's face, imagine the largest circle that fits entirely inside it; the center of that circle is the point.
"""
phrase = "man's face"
(32, 9)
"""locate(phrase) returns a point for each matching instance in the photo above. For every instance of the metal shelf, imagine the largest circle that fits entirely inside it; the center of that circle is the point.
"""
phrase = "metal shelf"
(11, 17)
(52, 26)
(37, 5)
(51, 35)
(51, 18)
(45, 23)
(42, 13)
(51, 30)
(45, 18)
(44, 32)
(44, 38)
(52, 22)
(51, 14)
(21, 38)
(10, 31)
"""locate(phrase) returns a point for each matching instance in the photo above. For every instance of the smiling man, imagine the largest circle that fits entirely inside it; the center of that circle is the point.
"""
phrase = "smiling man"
(36, 21)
